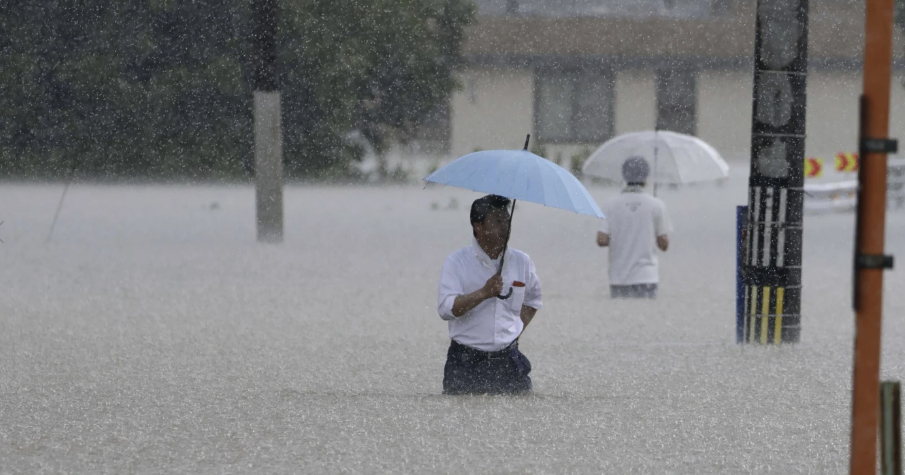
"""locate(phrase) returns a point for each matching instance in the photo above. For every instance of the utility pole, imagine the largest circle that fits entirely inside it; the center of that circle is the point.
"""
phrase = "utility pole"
(870, 230)
(268, 133)
(772, 261)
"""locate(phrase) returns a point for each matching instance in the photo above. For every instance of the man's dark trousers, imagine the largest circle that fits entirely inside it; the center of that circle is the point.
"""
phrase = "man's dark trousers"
(471, 371)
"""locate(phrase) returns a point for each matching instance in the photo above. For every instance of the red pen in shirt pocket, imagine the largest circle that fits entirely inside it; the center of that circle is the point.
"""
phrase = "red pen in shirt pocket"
(518, 284)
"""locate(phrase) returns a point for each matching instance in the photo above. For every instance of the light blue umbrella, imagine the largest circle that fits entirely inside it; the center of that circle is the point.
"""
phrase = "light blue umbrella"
(518, 175)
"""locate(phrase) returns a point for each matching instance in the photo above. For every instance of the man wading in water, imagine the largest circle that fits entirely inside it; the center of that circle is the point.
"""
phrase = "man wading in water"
(483, 356)
(635, 224)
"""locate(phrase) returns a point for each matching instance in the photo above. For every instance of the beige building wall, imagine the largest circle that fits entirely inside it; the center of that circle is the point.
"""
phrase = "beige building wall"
(833, 112)
(636, 101)
(832, 118)
(494, 110)
(897, 110)
(724, 112)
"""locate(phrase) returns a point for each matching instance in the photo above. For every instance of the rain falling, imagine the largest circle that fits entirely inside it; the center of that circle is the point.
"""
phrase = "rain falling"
(254, 236)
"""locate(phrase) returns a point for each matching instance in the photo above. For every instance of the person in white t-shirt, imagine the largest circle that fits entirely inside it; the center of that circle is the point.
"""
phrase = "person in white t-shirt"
(636, 225)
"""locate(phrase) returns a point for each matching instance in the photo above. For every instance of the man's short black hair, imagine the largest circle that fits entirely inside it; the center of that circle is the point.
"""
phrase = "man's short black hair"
(484, 205)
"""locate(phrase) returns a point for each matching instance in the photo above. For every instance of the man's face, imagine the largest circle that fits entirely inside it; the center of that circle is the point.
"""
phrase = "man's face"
(495, 228)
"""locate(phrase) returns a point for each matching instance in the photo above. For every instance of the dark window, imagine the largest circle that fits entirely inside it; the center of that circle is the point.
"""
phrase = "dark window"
(573, 107)
(677, 100)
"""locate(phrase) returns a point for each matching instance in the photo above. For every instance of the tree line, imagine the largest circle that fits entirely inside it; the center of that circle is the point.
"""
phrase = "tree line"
(161, 89)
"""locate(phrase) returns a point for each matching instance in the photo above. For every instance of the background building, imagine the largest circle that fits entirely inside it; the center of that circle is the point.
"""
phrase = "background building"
(573, 73)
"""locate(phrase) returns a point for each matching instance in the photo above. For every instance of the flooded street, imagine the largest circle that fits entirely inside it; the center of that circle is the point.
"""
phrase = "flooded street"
(153, 334)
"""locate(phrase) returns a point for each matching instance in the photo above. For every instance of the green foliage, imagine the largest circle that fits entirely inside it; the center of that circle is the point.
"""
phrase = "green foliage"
(578, 160)
(161, 88)
(434, 166)
(539, 149)
(399, 175)
(120, 87)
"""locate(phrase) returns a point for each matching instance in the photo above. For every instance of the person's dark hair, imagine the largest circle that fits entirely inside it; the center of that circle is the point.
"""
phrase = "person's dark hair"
(484, 204)
(635, 171)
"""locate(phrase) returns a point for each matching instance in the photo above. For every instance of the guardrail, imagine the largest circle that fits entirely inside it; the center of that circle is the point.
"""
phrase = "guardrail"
(842, 195)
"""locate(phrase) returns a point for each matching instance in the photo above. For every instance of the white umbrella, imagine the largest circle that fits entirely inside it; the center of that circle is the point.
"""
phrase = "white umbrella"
(674, 158)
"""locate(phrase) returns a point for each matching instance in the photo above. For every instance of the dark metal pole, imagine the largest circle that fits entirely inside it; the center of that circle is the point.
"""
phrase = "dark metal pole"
(503, 254)
(506, 244)
(772, 264)
(268, 132)
(53, 224)
(891, 428)
(740, 213)
(656, 151)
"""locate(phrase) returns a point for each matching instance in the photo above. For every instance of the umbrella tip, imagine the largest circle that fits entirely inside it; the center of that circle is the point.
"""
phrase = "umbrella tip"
(527, 139)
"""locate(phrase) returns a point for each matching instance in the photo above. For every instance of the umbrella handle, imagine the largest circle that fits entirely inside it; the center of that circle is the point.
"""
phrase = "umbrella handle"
(656, 149)
(504, 297)
(506, 244)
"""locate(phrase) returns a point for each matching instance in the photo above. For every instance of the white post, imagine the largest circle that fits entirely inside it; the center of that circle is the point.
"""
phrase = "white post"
(268, 134)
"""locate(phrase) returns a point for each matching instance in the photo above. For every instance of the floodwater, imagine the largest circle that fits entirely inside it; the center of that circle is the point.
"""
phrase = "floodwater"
(153, 334)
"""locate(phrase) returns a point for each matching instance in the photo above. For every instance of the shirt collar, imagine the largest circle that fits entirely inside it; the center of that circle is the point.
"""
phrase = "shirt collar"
(483, 258)
(633, 189)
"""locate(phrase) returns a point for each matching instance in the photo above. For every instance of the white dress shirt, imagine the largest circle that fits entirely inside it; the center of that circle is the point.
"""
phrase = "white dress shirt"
(493, 324)
(633, 221)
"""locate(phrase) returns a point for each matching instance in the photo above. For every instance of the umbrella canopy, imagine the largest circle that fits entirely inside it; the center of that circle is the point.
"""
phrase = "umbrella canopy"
(674, 158)
(518, 175)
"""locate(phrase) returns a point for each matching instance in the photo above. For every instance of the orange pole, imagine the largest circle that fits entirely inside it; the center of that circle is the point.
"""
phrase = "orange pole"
(871, 224)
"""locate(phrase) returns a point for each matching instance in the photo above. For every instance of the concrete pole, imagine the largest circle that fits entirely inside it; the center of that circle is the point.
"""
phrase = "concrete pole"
(870, 230)
(772, 264)
(268, 132)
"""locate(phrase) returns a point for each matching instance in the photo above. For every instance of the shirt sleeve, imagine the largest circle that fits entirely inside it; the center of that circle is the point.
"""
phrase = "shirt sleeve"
(532, 288)
(450, 288)
(604, 226)
(662, 224)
